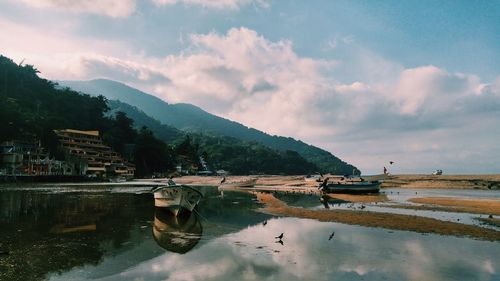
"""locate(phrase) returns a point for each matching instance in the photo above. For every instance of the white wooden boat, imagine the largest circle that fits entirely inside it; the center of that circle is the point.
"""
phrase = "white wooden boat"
(177, 198)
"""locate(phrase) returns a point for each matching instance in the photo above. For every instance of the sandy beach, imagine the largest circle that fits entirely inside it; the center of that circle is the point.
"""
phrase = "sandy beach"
(486, 182)
(443, 181)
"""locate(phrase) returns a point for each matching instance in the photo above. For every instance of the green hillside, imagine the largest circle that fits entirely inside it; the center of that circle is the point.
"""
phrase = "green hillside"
(32, 107)
(222, 152)
(190, 118)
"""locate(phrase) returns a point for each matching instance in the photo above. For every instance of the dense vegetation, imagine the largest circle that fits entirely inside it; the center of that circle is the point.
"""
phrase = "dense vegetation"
(32, 107)
(189, 118)
(250, 157)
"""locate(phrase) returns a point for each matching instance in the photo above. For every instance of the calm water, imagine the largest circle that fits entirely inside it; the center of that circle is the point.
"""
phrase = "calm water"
(117, 234)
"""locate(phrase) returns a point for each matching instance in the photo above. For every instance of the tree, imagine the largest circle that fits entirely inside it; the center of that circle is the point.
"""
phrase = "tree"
(151, 155)
(120, 134)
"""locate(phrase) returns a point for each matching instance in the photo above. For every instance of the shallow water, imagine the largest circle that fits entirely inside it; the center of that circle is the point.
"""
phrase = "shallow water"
(117, 234)
(399, 196)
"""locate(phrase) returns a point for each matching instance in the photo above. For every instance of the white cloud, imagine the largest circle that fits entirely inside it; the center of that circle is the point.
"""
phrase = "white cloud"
(334, 43)
(417, 111)
(215, 4)
(111, 8)
(55, 52)
(420, 117)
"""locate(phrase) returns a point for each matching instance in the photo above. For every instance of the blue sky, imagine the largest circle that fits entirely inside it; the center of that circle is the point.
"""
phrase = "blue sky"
(415, 82)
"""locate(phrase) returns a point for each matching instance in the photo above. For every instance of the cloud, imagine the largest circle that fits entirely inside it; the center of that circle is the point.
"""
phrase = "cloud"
(215, 4)
(433, 117)
(110, 8)
(424, 110)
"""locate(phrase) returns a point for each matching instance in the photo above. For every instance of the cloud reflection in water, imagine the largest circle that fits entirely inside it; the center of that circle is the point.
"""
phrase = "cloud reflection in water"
(307, 254)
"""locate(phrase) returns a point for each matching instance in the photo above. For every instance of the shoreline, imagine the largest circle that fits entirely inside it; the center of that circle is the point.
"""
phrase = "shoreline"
(480, 182)
(411, 181)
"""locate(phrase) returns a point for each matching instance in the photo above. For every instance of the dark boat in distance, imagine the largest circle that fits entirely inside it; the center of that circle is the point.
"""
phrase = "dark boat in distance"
(347, 184)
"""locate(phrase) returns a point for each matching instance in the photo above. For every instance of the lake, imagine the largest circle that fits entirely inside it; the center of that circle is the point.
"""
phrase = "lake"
(95, 233)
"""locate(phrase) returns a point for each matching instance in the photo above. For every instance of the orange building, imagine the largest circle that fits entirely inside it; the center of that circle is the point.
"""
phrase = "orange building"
(95, 157)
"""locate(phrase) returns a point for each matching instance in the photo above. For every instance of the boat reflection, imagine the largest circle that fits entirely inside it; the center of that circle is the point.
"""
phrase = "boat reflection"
(178, 234)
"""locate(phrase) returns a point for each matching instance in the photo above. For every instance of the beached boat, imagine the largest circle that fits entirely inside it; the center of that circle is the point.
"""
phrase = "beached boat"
(350, 185)
(238, 184)
(177, 198)
(313, 179)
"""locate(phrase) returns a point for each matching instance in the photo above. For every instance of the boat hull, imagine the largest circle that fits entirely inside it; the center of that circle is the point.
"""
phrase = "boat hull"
(353, 188)
(241, 184)
(177, 198)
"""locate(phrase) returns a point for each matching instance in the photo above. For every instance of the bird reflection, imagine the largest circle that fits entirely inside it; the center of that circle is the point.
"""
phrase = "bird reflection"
(324, 201)
(178, 234)
(280, 239)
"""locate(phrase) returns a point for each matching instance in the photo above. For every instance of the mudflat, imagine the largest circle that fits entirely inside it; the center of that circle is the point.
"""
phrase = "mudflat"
(487, 208)
(486, 182)
(277, 207)
(443, 181)
(476, 206)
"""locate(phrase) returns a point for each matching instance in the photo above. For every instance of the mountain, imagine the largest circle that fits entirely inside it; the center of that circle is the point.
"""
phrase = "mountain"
(32, 107)
(166, 133)
(190, 118)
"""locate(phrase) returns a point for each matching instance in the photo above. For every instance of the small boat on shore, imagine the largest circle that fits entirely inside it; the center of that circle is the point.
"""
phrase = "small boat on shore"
(177, 198)
(313, 179)
(249, 183)
(345, 184)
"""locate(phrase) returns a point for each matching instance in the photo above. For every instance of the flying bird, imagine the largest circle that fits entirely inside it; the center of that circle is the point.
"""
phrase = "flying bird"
(279, 241)
(391, 162)
(264, 223)
(331, 235)
(223, 180)
(279, 237)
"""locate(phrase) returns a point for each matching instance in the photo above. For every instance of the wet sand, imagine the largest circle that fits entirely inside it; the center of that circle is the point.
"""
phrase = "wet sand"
(443, 181)
(490, 221)
(372, 198)
(486, 182)
(475, 206)
(277, 207)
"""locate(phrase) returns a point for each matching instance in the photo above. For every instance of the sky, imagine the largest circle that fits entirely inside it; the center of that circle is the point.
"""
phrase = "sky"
(414, 82)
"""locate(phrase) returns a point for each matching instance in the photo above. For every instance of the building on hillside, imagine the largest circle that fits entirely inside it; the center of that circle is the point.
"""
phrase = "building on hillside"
(93, 157)
(29, 158)
(204, 171)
